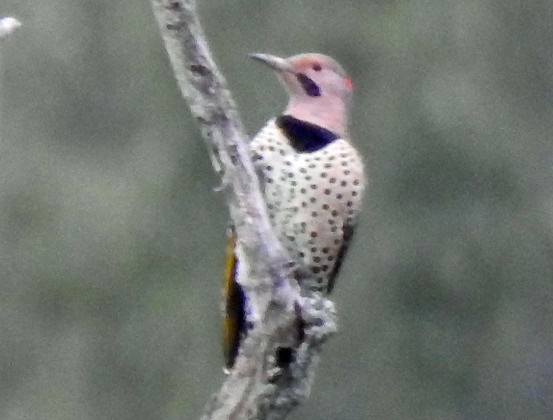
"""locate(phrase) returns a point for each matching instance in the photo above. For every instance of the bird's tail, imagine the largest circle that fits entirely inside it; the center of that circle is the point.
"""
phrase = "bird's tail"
(234, 305)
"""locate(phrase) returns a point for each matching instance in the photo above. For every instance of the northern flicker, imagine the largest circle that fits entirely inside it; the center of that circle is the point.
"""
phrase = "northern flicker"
(311, 175)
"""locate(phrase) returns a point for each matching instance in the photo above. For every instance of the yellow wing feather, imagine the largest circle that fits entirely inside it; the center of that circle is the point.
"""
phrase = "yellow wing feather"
(234, 320)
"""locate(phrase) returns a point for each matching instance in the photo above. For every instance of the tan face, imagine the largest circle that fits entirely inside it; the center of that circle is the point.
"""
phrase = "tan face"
(319, 88)
(316, 75)
(310, 75)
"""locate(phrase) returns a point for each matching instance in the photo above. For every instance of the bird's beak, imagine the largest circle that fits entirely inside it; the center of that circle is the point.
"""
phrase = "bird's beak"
(276, 63)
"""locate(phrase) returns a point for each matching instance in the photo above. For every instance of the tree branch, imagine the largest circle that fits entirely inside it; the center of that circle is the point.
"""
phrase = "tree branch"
(282, 315)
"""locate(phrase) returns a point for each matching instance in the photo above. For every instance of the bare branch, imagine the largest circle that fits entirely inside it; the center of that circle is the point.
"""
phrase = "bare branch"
(281, 314)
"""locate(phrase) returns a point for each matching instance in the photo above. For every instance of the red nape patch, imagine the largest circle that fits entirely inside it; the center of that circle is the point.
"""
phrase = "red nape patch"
(348, 83)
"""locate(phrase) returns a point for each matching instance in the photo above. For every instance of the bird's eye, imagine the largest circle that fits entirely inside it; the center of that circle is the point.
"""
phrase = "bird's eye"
(316, 67)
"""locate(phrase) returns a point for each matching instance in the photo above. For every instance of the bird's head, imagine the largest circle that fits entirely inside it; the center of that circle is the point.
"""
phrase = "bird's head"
(319, 88)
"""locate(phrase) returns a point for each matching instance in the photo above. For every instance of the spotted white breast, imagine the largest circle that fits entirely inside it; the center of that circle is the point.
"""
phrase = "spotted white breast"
(313, 198)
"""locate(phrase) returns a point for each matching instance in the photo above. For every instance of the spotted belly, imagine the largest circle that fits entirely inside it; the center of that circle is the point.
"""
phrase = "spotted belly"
(312, 199)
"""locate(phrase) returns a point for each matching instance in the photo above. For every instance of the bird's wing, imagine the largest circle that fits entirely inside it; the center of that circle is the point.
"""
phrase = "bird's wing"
(348, 229)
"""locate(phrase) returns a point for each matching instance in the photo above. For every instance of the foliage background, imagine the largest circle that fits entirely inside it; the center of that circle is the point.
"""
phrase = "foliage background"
(112, 238)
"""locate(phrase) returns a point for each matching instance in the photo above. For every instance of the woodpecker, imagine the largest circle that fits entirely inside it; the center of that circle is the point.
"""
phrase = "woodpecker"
(312, 179)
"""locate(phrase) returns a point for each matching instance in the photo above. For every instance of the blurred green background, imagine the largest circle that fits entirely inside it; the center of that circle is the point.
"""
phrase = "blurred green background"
(112, 238)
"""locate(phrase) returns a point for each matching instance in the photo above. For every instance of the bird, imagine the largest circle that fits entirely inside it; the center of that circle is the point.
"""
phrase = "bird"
(312, 179)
